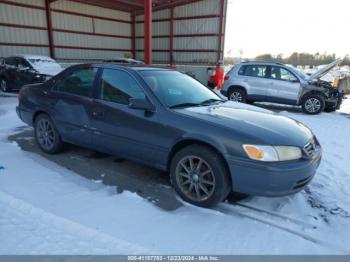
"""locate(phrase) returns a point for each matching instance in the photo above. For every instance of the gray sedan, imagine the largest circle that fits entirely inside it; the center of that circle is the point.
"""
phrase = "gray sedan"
(168, 120)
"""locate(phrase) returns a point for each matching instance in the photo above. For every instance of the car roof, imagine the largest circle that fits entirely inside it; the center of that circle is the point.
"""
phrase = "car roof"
(261, 62)
(134, 67)
(33, 56)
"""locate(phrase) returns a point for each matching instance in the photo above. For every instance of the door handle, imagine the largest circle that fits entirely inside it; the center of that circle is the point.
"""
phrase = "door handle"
(98, 113)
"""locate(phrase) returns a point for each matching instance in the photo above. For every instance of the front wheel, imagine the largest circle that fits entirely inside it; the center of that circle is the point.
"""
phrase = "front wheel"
(313, 104)
(4, 86)
(199, 176)
(237, 95)
(46, 135)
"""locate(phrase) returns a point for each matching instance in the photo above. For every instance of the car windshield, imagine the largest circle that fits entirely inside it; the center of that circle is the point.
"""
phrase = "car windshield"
(301, 74)
(175, 89)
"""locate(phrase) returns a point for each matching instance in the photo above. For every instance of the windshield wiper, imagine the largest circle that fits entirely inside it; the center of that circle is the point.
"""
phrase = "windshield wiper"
(184, 105)
(210, 101)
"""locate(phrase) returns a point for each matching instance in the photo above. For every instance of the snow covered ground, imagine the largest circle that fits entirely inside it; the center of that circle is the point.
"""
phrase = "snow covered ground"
(47, 209)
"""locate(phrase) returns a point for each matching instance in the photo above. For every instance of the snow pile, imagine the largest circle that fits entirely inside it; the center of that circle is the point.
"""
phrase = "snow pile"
(47, 209)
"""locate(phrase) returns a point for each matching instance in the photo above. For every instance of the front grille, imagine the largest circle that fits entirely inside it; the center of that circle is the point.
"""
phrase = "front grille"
(310, 149)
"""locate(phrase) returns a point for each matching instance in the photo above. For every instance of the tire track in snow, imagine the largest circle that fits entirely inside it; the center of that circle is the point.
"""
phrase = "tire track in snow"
(99, 240)
(270, 220)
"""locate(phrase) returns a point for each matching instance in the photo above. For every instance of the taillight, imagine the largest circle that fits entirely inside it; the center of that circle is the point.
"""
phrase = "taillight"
(227, 77)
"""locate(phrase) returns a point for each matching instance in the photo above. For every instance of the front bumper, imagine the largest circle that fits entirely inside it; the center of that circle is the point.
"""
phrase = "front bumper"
(335, 101)
(271, 178)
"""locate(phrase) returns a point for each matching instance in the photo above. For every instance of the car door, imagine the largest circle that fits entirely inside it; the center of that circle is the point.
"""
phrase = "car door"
(71, 100)
(117, 128)
(11, 72)
(25, 75)
(285, 86)
(254, 78)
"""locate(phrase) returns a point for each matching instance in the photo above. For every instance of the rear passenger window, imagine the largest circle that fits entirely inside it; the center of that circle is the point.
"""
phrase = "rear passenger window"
(253, 70)
(256, 71)
(79, 82)
(11, 61)
(118, 86)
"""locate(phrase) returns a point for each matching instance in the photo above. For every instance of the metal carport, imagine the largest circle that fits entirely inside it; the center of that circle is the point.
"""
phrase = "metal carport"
(158, 31)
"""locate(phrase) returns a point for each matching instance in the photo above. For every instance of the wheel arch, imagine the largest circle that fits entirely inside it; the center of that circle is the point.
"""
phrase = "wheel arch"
(195, 141)
(37, 113)
(236, 87)
(311, 92)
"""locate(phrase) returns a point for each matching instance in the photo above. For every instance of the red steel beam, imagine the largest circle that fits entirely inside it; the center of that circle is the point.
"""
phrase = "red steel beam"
(49, 28)
(222, 7)
(183, 35)
(182, 18)
(21, 5)
(183, 50)
(22, 44)
(148, 32)
(171, 36)
(23, 26)
(133, 35)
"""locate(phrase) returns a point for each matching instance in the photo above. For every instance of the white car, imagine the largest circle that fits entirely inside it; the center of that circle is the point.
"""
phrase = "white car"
(263, 81)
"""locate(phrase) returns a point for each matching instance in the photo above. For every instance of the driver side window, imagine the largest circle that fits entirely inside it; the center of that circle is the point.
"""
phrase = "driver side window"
(118, 86)
(279, 73)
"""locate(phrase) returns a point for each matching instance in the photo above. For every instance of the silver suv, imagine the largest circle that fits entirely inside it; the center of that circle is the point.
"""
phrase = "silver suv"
(259, 81)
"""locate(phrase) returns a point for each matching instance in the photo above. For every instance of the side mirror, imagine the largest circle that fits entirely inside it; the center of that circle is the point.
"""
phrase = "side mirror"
(143, 104)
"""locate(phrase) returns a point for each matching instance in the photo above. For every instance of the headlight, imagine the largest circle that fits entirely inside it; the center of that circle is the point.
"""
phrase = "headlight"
(272, 153)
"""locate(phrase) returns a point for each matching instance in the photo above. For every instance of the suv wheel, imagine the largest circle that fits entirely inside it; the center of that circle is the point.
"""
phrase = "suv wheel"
(199, 176)
(4, 86)
(46, 135)
(237, 95)
(313, 104)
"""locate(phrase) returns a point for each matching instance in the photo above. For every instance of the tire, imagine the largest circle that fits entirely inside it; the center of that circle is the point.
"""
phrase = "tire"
(313, 104)
(4, 86)
(237, 95)
(190, 183)
(46, 135)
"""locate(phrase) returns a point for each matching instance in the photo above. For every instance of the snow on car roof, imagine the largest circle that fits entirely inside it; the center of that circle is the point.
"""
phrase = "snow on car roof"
(41, 57)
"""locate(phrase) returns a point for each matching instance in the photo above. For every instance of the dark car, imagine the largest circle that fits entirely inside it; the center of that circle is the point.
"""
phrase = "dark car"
(166, 119)
(20, 70)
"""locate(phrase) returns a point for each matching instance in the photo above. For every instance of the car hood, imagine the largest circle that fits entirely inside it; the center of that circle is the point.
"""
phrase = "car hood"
(324, 70)
(253, 123)
(48, 69)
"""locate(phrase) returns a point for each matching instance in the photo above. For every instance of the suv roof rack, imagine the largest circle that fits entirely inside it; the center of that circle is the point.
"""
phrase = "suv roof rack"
(262, 61)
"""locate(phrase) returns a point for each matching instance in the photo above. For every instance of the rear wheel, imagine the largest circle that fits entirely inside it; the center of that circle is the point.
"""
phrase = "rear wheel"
(199, 176)
(4, 86)
(313, 104)
(46, 135)
(237, 95)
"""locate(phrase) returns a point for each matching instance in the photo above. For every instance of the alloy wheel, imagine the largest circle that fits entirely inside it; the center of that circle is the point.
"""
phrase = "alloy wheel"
(45, 134)
(236, 96)
(312, 105)
(195, 178)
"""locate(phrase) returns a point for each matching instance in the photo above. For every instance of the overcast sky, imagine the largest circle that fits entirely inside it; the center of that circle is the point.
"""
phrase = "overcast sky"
(284, 26)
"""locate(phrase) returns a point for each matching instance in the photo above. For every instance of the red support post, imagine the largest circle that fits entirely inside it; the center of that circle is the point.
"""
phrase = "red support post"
(49, 28)
(133, 35)
(221, 18)
(148, 31)
(171, 53)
